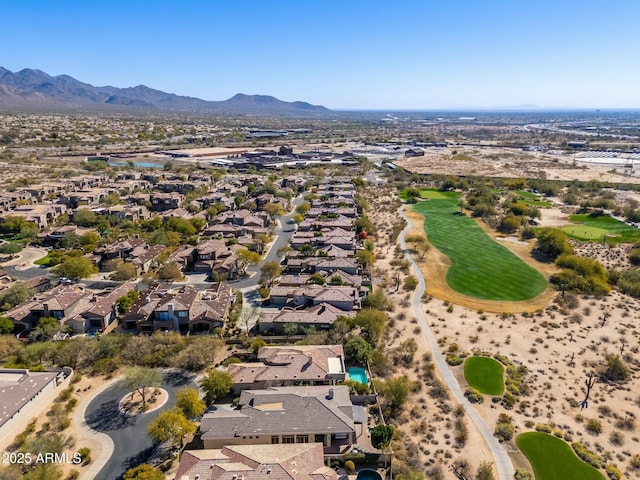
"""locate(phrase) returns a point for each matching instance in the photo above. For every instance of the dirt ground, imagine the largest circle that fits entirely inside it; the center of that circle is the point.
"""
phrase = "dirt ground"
(559, 344)
(509, 162)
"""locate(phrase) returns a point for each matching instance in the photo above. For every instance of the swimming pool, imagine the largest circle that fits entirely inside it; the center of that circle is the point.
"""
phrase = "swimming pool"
(358, 374)
(368, 475)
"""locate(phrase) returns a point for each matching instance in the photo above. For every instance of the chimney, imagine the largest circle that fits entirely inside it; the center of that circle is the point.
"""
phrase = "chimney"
(330, 394)
(45, 310)
(147, 300)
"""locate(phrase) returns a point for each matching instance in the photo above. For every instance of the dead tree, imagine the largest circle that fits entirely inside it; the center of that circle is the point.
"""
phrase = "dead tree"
(458, 472)
(622, 345)
(605, 315)
(589, 383)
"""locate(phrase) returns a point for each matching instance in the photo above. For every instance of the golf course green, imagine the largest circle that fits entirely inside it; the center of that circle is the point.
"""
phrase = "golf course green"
(480, 266)
(553, 459)
(594, 228)
(485, 375)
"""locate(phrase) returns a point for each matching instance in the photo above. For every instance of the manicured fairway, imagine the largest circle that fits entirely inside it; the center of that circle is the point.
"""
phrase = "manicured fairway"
(480, 267)
(485, 375)
(602, 224)
(553, 459)
(425, 193)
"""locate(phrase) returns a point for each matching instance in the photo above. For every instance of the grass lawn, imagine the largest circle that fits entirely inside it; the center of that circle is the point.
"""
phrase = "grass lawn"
(532, 199)
(527, 195)
(537, 203)
(43, 261)
(480, 267)
(485, 375)
(601, 225)
(553, 459)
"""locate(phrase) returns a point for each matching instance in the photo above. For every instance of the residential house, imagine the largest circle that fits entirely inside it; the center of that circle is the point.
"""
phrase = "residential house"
(287, 415)
(319, 316)
(290, 365)
(343, 297)
(184, 310)
(303, 461)
(161, 202)
(58, 303)
(98, 311)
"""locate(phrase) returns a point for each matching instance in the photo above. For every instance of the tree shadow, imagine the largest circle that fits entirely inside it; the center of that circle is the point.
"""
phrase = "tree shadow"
(108, 417)
(176, 379)
(137, 459)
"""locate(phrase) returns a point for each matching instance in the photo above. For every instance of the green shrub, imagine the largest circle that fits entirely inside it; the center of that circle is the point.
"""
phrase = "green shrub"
(504, 431)
(71, 404)
(349, 466)
(65, 394)
(586, 456)
(522, 474)
(410, 283)
(594, 426)
(73, 475)
(85, 455)
(453, 359)
(613, 473)
(473, 395)
(544, 428)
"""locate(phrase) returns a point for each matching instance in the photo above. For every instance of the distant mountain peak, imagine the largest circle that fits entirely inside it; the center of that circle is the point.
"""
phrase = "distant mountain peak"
(36, 90)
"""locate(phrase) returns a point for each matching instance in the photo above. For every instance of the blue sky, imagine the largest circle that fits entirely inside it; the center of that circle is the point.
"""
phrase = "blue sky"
(350, 54)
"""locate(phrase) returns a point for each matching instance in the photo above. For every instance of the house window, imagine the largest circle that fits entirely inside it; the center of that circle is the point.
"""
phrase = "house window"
(302, 438)
(288, 439)
(275, 439)
(182, 314)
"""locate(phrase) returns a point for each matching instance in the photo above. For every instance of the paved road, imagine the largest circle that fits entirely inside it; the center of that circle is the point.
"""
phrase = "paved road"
(284, 232)
(500, 457)
(22, 267)
(132, 444)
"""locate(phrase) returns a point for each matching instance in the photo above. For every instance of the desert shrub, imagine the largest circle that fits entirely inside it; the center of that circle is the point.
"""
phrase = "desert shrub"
(473, 395)
(522, 474)
(616, 438)
(453, 359)
(594, 426)
(410, 283)
(586, 456)
(613, 473)
(634, 256)
(627, 423)
(85, 455)
(504, 431)
(616, 370)
(462, 432)
(581, 274)
(544, 428)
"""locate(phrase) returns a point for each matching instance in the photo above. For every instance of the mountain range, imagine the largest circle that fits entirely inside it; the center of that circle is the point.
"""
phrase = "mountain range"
(35, 90)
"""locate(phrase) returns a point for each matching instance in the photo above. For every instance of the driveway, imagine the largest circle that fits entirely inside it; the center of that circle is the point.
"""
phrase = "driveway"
(132, 444)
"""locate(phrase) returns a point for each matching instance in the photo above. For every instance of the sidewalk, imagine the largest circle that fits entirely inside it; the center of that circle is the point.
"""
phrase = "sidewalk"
(85, 432)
